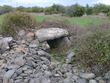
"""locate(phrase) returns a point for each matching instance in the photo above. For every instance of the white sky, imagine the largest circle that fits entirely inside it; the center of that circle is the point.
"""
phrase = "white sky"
(44, 3)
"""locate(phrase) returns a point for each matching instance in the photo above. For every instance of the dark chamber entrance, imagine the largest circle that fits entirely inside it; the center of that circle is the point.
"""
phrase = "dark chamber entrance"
(55, 43)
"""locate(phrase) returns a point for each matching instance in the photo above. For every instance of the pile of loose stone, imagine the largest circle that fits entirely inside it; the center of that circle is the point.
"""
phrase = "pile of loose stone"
(25, 60)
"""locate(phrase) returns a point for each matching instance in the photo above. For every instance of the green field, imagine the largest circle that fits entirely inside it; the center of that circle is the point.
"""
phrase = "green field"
(79, 20)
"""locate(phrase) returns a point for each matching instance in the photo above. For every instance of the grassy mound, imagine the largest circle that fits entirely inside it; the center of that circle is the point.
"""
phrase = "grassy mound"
(14, 21)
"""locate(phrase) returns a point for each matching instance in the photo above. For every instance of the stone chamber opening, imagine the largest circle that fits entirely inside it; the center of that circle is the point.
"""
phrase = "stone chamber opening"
(55, 43)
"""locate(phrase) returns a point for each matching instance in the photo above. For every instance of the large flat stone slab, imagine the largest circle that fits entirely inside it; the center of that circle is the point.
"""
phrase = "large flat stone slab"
(50, 34)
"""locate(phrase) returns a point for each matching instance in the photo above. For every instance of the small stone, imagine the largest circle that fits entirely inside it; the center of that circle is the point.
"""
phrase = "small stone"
(108, 81)
(2, 72)
(8, 75)
(75, 77)
(45, 80)
(45, 59)
(57, 75)
(87, 75)
(30, 34)
(107, 75)
(47, 73)
(1, 62)
(24, 68)
(34, 44)
(40, 53)
(32, 81)
(28, 71)
(81, 81)
(20, 61)
(23, 41)
(21, 33)
(92, 81)
(102, 81)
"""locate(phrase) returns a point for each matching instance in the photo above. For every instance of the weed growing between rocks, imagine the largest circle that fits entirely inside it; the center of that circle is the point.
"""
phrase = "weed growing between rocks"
(93, 48)
(14, 21)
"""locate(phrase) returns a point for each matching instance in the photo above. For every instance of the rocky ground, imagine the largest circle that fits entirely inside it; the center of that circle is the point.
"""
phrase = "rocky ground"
(25, 60)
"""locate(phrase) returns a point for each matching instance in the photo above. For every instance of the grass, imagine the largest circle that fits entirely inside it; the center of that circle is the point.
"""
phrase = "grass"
(79, 20)
(1, 19)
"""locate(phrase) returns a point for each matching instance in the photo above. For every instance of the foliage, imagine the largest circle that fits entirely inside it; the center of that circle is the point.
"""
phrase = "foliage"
(53, 22)
(6, 9)
(36, 9)
(17, 20)
(108, 14)
(88, 10)
(54, 9)
(21, 8)
(74, 10)
(93, 47)
(100, 8)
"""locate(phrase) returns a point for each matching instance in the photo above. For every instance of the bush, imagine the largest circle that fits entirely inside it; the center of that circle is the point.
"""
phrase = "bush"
(6, 9)
(53, 22)
(74, 10)
(60, 23)
(108, 14)
(93, 48)
(14, 21)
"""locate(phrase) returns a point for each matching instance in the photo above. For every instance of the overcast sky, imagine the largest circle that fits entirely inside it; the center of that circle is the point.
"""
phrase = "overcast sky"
(45, 3)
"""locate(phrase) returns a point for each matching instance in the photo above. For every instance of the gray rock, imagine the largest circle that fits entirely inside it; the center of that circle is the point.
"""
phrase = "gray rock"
(2, 73)
(34, 44)
(107, 75)
(44, 46)
(45, 80)
(32, 81)
(108, 81)
(7, 39)
(75, 77)
(41, 52)
(8, 75)
(20, 61)
(4, 44)
(22, 33)
(38, 74)
(37, 80)
(81, 81)
(47, 73)
(45, 60)
(65, 41)
(69, 57)
(92, 81)
(19, 71)
(28, 72)
(102, 81)
(87, 75)
(3, 47)
(53, 65)
(68, 80)
(51, 33)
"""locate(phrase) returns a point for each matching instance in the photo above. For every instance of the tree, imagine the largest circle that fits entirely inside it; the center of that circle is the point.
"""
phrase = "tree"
(6, 9)
(74, 10)
(21, 9)
(36, 9)
(88, 10)
(100, 8)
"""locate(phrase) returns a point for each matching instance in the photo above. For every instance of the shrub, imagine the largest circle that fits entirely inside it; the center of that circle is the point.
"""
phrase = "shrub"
(60, 23)
(6, 9)
(74, 10)
(53, 22)
(93, 48)
(14, 21)
(108, 14)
